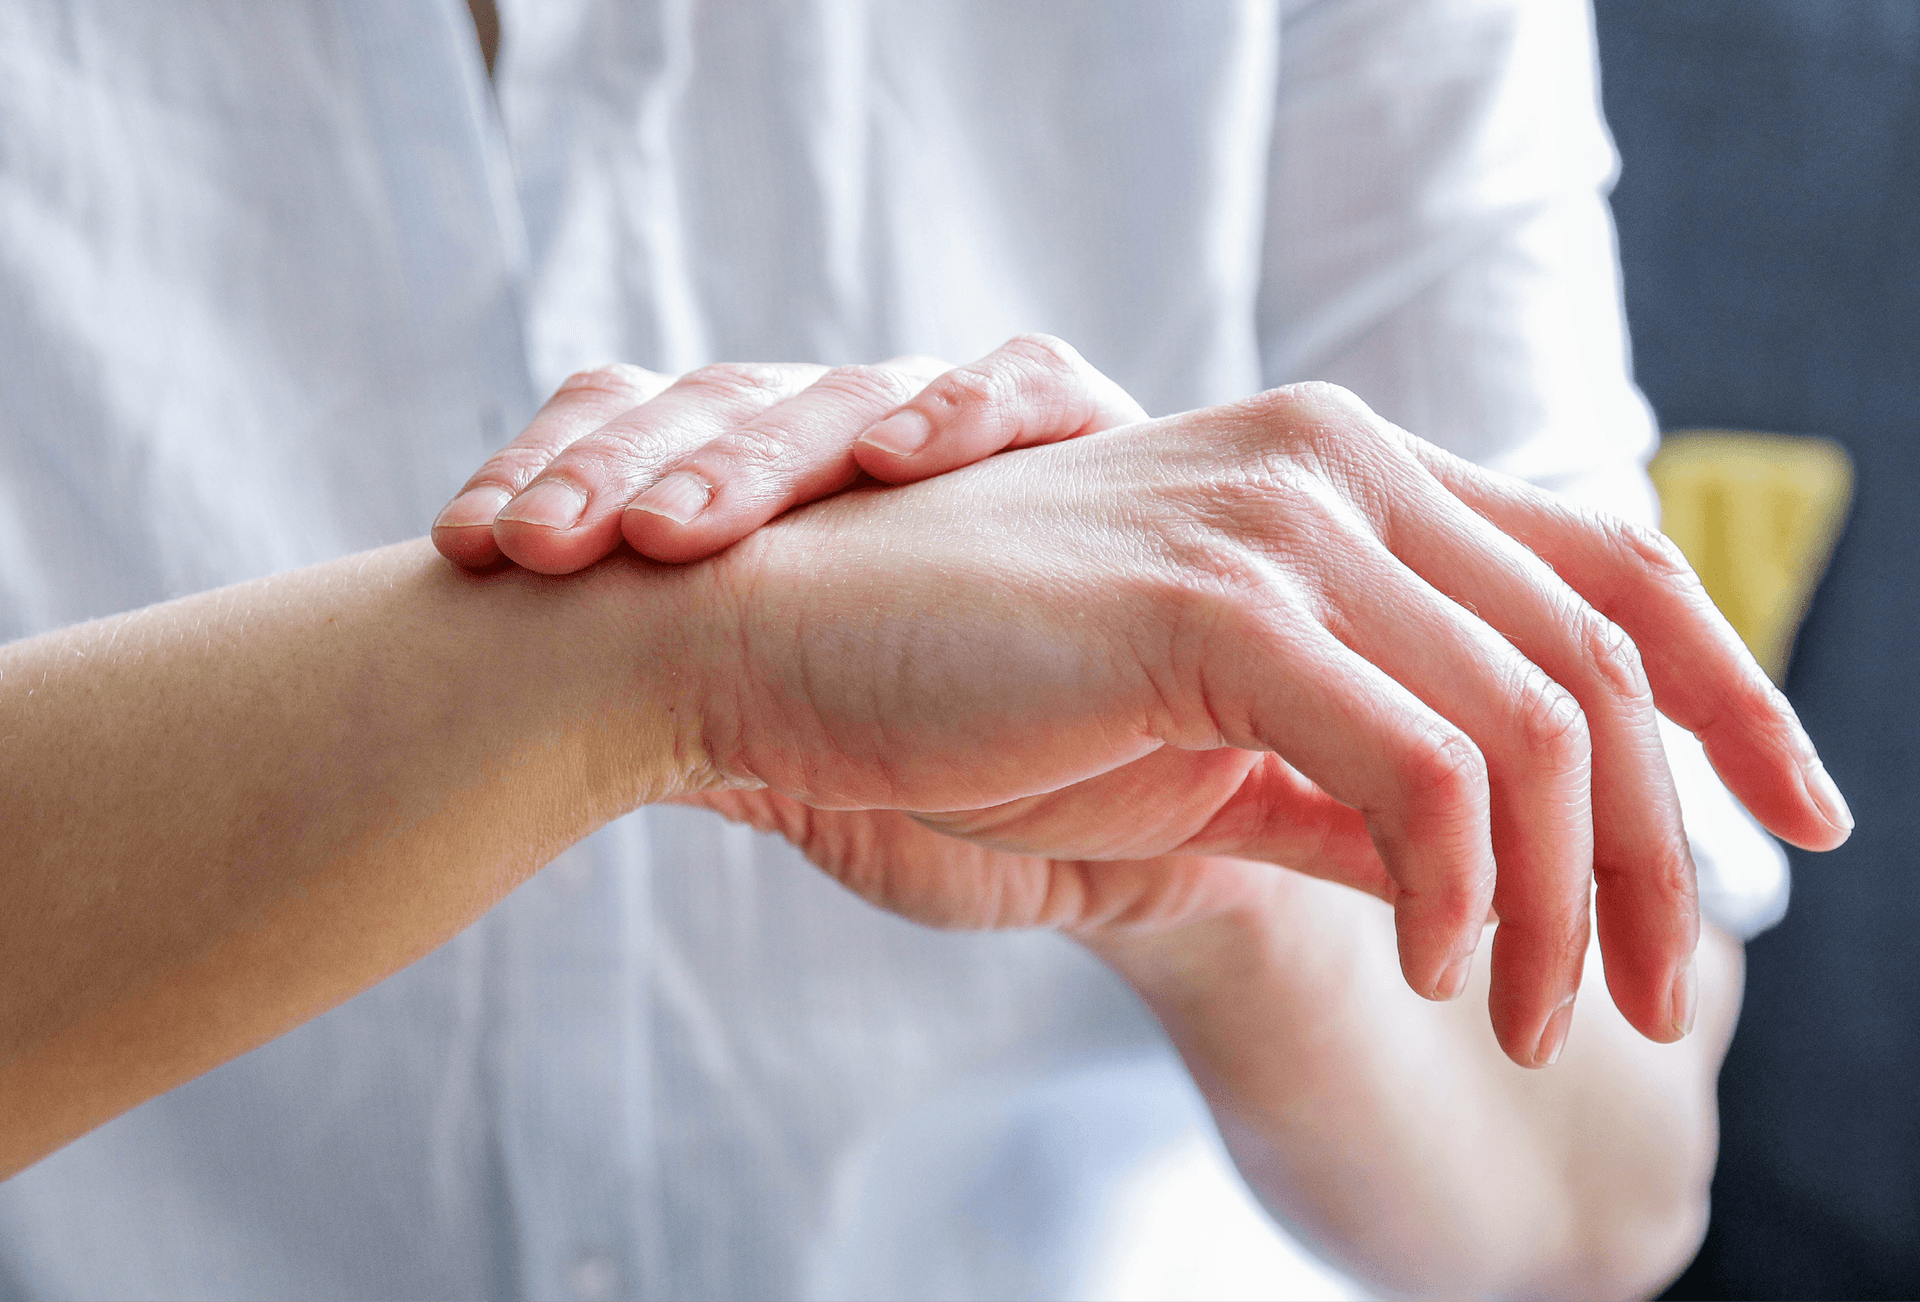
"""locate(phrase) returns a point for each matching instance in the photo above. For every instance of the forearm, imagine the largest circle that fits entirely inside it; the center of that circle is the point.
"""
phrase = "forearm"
(228, 813)
(1395, 1134)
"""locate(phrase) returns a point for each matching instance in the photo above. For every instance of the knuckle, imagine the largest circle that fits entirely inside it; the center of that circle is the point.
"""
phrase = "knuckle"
(753, 447)
(1284, 404)
(737, 380)
(1270, 419)
(513, 466)
(1321, 420)
(1325, 393)
(966, 387)
(595, 459)
(1654, 552)
(1756, 698)
(616, 379)
(1674, 873)
(1443, 767)
(1050, 352)
(1553, 728)
(1055, 386)
(882, 386)
(1309, 402)
(1613, 658)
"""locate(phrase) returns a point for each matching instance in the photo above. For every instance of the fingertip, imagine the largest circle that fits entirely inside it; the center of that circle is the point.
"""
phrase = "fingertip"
(1793, 797)
(471, 547)
(658, 537)
(1814, 834)
(1780, 782)
(1685, 1002)
(1436, 966)
(671, 521)
(476, 507)
(553, 504)
(1826, 797)
(1553, 1038)
(677, 498)
(902, 434)
(534, 548)
(551, 528)
(886, 467)
(1440, 928)
(898, 459)
(1531, 997)
(548, 551)
(1453, 980)
(463, 531)
(1669, 1014)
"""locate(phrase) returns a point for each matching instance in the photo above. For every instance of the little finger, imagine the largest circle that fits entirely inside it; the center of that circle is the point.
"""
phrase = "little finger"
(463, 532)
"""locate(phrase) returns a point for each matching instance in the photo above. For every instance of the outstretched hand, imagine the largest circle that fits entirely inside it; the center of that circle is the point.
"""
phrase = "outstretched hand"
(1281, 629)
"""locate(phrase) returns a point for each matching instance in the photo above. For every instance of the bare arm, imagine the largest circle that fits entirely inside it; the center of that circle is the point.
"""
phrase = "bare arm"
(1395, 1135)
(226, 814)
(230, 812)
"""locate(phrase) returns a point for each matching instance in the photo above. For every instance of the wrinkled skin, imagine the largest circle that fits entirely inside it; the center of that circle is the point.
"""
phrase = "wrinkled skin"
(1281, 629)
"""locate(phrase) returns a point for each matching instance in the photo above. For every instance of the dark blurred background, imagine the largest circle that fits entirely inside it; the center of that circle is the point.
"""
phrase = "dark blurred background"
(1769, 216)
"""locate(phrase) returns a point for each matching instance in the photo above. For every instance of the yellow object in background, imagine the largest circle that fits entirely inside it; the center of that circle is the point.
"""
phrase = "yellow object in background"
(1757, 515)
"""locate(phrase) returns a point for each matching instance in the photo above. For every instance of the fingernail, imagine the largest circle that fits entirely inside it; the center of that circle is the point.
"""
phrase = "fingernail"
(1826, 794)
(1686, 999)
(476, 506)
(549, 503)
(679, 497)
(1453, 981)
(903, 433)
(1553, 1038)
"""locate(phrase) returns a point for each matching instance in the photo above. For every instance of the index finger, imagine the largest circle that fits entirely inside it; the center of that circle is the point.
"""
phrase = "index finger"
(1032, 389)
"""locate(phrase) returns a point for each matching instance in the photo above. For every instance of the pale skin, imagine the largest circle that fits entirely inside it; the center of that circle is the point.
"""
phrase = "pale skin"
(1107, 661)
(1589, 1181)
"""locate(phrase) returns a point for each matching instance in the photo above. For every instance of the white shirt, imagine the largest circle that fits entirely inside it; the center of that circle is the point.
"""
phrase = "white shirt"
(273, 278)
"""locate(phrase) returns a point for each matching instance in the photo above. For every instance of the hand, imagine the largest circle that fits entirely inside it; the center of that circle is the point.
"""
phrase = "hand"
(683, 468)
(1268, 629)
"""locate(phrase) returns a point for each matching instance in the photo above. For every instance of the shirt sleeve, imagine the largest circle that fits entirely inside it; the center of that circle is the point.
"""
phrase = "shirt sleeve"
(1438, 241)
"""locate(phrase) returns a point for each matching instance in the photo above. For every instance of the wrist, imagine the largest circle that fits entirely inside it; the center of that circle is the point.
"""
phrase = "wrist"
(1283, 978)
(1169, 963)
(306, 782)
(631, 657)
(1272, 920)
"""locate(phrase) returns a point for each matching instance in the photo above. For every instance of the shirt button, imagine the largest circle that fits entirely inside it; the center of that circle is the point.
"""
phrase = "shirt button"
(593, 1277)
